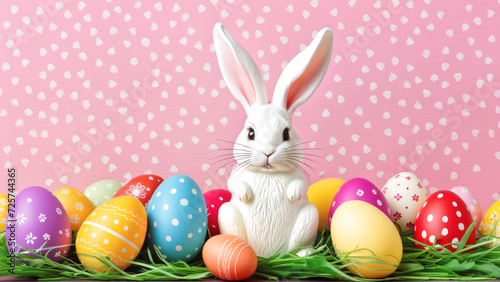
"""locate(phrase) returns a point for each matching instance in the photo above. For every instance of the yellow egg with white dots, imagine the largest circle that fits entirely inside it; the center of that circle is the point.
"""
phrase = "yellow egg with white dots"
(4, 206)
(116, 229)
(491, 219)
(76, 204)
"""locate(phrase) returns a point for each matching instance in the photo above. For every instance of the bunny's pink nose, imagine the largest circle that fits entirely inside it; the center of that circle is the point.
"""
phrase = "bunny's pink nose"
(268, 155)
(267, 165)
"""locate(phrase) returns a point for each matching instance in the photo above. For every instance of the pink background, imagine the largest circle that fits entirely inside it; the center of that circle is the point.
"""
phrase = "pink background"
(92, 90)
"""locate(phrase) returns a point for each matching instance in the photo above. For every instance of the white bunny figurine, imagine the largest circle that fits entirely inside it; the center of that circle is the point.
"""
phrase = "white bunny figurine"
(269, 208)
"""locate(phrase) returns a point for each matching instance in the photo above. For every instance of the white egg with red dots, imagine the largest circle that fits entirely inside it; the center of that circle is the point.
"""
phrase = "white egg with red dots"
(177, 219)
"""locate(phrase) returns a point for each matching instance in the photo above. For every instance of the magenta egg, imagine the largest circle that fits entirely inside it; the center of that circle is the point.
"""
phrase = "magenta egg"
(39, 218)
(214, 199)
(362, 190)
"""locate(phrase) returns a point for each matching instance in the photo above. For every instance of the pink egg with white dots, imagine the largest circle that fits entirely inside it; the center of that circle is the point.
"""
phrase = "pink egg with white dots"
(214, 199)
(471, 202)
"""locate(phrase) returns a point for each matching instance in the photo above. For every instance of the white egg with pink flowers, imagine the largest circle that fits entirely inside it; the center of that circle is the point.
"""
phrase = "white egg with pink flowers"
(405, 194)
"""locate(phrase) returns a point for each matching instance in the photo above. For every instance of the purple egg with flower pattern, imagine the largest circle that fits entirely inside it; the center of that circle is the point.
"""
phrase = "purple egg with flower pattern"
(39, 218)
(362, 190)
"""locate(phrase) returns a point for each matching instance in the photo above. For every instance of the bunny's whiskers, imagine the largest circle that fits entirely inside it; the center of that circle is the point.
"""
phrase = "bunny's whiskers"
(236, 158)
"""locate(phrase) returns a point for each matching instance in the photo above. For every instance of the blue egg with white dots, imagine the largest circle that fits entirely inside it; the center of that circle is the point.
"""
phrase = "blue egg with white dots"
(177, 219)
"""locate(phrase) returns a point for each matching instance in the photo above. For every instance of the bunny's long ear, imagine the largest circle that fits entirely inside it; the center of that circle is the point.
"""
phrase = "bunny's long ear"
(304, 73)
(242, 76)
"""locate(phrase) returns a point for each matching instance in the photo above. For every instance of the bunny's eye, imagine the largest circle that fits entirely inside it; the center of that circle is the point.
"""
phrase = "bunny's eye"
(251, 134)
(286, 134)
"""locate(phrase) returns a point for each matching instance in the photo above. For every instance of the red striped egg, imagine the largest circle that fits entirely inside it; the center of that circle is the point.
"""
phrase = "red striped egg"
(230, 258)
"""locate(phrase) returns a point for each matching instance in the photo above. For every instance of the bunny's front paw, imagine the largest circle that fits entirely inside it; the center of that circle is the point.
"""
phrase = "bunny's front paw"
(243, 191)
(296, 190)
(305, 252)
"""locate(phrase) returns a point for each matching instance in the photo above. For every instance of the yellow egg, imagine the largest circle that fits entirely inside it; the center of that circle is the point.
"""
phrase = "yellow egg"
(4, 206)
(116, 229)
(364, 236)
(76, 204)
(321, 195)
(488, 222)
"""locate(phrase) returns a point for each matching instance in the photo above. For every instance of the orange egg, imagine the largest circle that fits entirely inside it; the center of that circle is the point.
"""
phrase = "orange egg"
(116, 229)
(229, 257)
(321, 195)
(76, 204)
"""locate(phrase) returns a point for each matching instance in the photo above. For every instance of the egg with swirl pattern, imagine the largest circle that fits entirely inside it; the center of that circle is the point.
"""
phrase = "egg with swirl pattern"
(116, 229)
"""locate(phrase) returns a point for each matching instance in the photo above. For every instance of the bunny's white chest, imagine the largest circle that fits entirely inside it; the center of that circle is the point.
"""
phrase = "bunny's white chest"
(269, 215)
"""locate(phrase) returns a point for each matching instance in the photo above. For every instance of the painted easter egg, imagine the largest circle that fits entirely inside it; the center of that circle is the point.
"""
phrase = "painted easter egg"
(362, 190)
(406, 195)
(76, 204)
(141, 187)
(361, 233)
(471, 202)
(443, 219)
(488, 221)
(116, 229)
(214, 199)
(4, 206)
(41, 219)
(228, 257)
(102, 191)
(177, 219)
(321, 194)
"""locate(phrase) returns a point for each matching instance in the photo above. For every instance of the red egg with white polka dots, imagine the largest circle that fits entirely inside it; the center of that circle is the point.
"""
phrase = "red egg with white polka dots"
(214, 199)
(443, 219)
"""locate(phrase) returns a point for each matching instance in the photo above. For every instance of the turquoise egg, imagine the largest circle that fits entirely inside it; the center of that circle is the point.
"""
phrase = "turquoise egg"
(177, 219)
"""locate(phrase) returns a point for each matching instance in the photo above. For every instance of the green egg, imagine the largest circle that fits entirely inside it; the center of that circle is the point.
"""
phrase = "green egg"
(102, 191)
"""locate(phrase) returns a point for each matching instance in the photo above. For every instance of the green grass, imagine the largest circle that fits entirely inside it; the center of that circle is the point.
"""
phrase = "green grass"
(431, 264)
